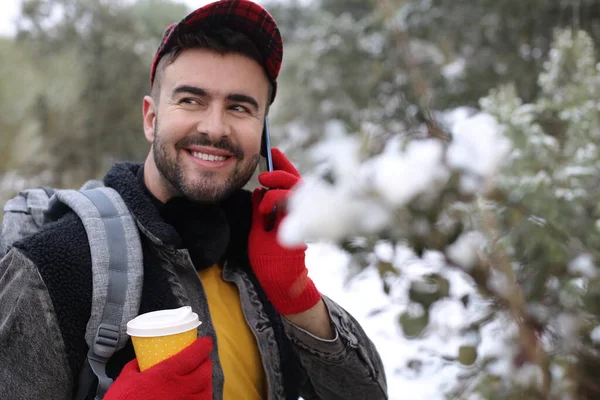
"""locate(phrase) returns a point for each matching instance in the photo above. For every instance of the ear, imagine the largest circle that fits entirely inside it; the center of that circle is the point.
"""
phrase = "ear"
(149, 112)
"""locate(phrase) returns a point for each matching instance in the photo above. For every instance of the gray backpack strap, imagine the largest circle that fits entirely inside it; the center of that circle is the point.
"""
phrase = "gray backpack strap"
(117, 272)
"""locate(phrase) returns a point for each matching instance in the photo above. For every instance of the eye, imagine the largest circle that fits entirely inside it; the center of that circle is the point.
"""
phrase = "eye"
(239, 107)
(189, 100)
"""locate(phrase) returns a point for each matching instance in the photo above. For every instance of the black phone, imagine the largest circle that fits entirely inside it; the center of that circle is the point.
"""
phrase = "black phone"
(265, 151)
(265, 148)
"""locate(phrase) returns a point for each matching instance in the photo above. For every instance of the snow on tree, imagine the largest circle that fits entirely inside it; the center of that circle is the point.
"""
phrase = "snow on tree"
(509, 204)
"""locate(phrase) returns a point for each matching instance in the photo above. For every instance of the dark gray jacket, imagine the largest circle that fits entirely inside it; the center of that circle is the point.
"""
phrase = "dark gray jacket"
(46, 289)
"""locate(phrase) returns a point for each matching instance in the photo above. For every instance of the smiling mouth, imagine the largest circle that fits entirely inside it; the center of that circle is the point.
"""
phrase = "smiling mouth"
(208, 157)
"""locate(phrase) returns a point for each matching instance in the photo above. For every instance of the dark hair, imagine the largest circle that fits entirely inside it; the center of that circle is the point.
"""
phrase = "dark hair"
(224, 41)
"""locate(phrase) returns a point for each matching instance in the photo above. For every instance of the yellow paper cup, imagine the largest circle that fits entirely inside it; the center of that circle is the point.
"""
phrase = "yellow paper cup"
(159, 335)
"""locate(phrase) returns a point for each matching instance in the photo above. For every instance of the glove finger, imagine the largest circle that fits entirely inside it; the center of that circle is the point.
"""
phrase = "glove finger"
(278, 180)
(281, 162)
(190, 358)
(201, 380)
(272, 198)
(257, 197)
(204, 394)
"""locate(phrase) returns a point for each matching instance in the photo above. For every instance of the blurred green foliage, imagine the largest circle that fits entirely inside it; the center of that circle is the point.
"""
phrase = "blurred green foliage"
(71, 89)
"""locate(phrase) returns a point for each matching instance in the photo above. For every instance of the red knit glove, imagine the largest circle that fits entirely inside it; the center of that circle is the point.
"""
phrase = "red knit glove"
(185, 376)
(280, 271)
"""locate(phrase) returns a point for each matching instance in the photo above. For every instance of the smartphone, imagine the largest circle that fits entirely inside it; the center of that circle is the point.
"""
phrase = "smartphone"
(265, 151)
(265, 148)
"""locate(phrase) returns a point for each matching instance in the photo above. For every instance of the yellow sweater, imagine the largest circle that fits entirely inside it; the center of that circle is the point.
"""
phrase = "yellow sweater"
(238, 351)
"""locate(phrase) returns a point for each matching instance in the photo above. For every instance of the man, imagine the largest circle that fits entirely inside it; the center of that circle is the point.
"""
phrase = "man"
(266, 330)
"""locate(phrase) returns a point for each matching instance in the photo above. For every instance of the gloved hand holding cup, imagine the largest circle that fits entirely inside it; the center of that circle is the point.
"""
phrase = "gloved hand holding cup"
(159, 335)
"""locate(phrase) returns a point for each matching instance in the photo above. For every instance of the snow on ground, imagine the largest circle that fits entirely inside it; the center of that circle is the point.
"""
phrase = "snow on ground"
(364, 294)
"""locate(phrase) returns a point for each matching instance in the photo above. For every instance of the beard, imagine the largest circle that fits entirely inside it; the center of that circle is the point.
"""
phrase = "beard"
(204, 186)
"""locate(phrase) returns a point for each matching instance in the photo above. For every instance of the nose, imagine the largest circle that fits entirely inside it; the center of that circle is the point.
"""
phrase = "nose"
(213, 123)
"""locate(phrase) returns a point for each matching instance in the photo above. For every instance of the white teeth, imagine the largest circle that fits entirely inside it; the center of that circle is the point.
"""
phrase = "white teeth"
(208, 157)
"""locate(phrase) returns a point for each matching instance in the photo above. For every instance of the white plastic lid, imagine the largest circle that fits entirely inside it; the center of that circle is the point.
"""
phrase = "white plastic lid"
(163, 322)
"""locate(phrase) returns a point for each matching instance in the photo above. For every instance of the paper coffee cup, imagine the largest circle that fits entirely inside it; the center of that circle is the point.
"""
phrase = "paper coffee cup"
(159, 335)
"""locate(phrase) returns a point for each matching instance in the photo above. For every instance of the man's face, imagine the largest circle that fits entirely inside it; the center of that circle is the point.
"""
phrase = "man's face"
(206, 128)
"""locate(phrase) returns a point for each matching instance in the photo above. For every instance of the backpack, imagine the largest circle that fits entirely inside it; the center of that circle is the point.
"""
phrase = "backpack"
(117, 266)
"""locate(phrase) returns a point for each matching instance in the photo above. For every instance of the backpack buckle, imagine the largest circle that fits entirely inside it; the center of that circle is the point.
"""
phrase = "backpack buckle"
(105, 342)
